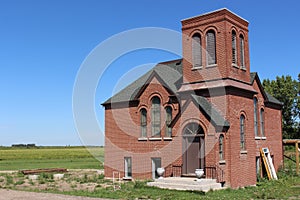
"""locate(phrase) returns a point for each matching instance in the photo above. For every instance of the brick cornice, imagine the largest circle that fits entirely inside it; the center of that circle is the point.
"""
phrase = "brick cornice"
(213, 17)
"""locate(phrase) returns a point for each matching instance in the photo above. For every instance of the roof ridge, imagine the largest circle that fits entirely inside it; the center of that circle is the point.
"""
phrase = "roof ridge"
(169, 61)
(270, 98)
(169, 75)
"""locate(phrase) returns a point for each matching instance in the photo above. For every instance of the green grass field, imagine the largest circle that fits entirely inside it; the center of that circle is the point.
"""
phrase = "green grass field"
(51, 157)
(287, 187)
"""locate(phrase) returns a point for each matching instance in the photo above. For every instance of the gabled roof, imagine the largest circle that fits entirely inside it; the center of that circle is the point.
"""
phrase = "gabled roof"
(169, 74)
(273, 99)
(269, 97)
(208, 109)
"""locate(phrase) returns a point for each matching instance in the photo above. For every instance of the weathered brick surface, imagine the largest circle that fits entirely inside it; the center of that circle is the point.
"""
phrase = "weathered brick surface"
(222, 23)
(122, 122)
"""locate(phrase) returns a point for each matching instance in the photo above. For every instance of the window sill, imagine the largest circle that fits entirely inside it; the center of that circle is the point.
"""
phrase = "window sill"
(155, 139)
(243, 68)
(235, 65)
(210, 66)
(142, 139)
(260, 138)
(244, 152)
(222, 162)
(197, 67)
(167, 138)
(127, 178)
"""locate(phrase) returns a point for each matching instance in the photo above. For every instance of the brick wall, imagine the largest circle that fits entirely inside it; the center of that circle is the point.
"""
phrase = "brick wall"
(222, 22)
(243, 163)
(122, 121)
(122, 139)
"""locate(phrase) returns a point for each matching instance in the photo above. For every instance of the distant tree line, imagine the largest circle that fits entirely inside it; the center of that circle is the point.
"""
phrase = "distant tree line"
(287, 90)
(24, 145)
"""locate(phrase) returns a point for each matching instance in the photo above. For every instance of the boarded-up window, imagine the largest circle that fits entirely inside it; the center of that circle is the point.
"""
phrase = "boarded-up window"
(211, 47)
(196, 50)
(242, 51)
(155, 117)
(168, 121)
(143, 113)
(234, 56)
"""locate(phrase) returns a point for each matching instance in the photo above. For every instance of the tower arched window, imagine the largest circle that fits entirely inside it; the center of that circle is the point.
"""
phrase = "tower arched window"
(242, 51)
(197, 50)
(143, 113)
(168, 121)
(234, 49)
(242, 132)
(211, 48)
(155, 117)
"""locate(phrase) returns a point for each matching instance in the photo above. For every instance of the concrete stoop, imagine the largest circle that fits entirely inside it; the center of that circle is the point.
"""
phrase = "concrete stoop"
(179, 183)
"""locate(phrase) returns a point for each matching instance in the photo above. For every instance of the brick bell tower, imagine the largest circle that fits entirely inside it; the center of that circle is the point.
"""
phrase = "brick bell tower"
(215, 47)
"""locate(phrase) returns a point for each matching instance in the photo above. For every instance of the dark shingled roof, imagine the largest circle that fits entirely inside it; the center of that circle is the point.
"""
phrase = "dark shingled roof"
(273, 99)
(210, 111)
(170, 75)
(252, 77)
(168, 72)
(269, 97)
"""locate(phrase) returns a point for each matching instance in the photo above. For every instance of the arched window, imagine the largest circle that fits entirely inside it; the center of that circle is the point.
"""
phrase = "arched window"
(255, 117)
(262, 122)
(234, 49)
(211, 48)
(168, 121)
(242, 51)
(242, 132)
(155, 117)
(221, 147)
(143, 114)
(193, 129)
(197, 50)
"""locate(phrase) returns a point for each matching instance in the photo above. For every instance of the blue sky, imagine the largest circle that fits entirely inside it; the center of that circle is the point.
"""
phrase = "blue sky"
(43, 44)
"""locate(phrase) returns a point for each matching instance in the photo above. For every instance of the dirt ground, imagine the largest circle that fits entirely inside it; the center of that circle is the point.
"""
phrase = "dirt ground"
(20, 195)
(86, 180)
(72, 180)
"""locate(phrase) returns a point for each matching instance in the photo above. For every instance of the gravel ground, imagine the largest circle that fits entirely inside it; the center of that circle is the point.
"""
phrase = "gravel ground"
(21, 195)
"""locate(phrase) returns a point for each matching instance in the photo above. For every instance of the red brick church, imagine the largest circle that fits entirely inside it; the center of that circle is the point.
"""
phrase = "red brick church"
(204, 111)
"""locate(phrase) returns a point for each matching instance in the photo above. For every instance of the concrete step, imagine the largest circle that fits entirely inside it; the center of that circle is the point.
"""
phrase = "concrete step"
(190, 181)
(177, 183)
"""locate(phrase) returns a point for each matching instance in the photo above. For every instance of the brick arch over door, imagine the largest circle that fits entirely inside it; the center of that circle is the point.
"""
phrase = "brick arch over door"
(193, 148)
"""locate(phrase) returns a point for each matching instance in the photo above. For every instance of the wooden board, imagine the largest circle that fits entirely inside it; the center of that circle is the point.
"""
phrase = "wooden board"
(267, 159)
(265, 163)
(37, 171)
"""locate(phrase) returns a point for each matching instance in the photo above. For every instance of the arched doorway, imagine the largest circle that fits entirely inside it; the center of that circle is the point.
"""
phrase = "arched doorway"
(193, 148)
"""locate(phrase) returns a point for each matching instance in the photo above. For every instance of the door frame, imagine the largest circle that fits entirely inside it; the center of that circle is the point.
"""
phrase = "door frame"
(191, 132)
(155, 163)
